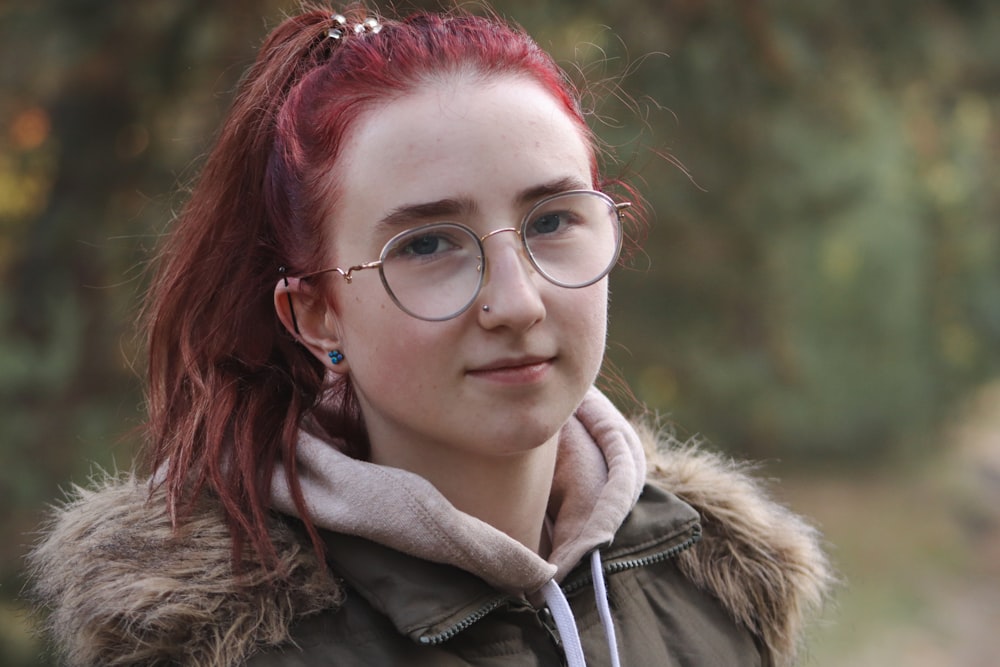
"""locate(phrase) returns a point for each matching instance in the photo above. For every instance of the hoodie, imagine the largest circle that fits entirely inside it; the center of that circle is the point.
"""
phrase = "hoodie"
(124, 588)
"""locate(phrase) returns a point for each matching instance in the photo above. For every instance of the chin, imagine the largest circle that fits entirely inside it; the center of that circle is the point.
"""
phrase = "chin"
(523, 433)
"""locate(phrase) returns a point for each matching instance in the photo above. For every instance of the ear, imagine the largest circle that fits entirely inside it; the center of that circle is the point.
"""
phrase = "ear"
(310, 319)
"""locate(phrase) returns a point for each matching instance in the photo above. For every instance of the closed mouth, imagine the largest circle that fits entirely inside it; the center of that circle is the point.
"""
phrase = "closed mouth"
(511, 364)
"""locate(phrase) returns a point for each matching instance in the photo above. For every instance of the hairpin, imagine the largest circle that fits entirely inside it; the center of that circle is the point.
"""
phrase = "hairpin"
(340, 25)
(369, 25)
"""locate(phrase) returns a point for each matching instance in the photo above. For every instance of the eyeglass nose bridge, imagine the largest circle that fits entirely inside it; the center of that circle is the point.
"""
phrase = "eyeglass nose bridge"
(482, 239)
(484, 265)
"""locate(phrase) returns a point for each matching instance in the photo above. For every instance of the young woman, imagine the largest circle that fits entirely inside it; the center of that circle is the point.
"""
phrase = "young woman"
(374, 436)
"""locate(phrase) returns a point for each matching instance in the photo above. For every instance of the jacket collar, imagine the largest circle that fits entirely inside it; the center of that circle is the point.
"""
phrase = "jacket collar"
(600, 471)
(430, 601)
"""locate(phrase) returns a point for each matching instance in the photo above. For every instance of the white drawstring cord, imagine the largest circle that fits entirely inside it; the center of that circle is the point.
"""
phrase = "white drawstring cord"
(565, 623)
(601, 594)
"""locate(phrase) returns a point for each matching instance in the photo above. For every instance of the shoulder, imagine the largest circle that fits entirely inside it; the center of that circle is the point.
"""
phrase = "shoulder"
(121, 585)
(763, 562)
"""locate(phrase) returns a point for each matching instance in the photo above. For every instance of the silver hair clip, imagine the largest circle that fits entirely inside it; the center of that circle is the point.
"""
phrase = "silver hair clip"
(369, 25)
(337, 31)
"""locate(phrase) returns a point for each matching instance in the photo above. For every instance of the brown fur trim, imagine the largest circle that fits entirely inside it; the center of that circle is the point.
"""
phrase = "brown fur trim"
(763, 562)
(124, 588)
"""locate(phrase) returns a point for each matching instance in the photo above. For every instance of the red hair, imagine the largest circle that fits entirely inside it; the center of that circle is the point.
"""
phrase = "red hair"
(228, 386)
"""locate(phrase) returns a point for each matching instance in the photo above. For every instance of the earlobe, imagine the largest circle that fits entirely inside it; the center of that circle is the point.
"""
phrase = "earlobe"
(310, 320)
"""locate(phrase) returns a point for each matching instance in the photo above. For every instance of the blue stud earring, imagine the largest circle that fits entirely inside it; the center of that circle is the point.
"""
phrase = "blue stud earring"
(335, 356)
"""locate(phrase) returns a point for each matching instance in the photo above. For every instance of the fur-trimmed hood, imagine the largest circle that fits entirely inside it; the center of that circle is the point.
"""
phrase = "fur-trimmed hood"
(763, 561)
(123, 588)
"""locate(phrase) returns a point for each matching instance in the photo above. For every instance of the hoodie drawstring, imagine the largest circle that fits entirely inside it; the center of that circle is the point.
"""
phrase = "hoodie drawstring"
(566, 623)
(603, 608)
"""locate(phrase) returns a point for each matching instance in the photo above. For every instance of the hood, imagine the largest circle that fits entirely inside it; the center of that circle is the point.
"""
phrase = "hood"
(600, 472)
(764, 562)
(120, 586)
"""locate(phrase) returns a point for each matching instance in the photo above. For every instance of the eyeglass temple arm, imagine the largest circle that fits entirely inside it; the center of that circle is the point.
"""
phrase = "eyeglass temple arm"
(621, 206)
(347, 276)
(288, 295)
(358, 267)
(345, 272)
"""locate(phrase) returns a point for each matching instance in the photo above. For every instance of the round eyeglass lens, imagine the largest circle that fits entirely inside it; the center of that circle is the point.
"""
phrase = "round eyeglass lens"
(433, 272)
(573, 239)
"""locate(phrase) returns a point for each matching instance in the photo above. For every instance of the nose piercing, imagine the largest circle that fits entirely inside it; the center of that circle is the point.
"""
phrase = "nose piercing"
(486, 308)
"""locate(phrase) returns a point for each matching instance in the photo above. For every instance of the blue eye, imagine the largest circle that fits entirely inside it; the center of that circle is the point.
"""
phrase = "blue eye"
(546, 224)
(430, 242)
(554, 224)
(424, 245)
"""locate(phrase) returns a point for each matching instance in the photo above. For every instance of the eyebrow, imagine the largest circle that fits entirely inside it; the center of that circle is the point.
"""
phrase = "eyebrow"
(464, 206)
(529, 195)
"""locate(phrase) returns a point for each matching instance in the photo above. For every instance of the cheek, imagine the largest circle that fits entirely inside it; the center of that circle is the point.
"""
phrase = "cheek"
(583, 315)
(383, 365)
(390, 348)
(591, 303)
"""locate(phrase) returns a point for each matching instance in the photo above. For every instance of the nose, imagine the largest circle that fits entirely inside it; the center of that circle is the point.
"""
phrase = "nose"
(511, 285)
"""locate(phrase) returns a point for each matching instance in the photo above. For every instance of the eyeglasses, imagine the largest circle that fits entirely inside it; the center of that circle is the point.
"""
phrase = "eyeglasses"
(435, 272)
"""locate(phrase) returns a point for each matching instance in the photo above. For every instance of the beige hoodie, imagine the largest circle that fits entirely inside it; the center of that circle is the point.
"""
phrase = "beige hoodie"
(600, 472)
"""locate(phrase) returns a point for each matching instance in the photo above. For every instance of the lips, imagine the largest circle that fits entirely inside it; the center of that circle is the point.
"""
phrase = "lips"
(516, 370)
(512, 363)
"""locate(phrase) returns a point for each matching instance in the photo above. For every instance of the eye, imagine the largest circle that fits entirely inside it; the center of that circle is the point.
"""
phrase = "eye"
(431, 242)
(546, 224)
(426, 244)
(552, 223)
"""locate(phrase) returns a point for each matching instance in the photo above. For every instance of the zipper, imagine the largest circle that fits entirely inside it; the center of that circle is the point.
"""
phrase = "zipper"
(474, 617)
(611, 568)
(621, 566)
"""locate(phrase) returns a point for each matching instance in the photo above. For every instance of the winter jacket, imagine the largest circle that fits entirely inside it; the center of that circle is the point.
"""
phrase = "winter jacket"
(700, 568)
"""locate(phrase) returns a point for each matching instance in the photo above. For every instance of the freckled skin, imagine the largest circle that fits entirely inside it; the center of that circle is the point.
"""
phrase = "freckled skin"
(487, 143)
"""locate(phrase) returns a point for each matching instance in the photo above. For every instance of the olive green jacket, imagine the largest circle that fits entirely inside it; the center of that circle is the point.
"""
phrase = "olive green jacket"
(399, 610)
(702, 568)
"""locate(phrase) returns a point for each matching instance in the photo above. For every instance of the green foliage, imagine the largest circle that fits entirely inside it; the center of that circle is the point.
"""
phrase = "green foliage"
(832, 289)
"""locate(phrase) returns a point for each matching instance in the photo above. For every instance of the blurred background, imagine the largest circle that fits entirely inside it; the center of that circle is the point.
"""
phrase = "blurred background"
(819, 290)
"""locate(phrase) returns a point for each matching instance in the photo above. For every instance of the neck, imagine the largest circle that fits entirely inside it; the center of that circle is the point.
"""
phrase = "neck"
(509, 492)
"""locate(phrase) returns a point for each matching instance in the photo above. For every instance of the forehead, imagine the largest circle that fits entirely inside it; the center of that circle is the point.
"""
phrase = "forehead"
(462, 137)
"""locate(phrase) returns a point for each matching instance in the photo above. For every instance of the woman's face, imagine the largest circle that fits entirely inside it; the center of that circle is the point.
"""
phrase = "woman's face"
(488, 383)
